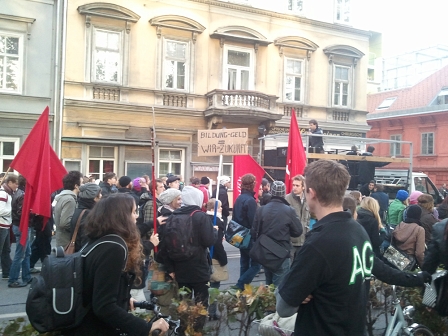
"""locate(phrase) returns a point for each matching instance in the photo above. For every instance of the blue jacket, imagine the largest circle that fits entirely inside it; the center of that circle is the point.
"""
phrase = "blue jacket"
(244, 208)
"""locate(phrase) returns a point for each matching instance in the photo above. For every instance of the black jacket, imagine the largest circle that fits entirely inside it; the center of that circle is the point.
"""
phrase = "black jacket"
(106, 189)
(244, 208)
(436, 253)
(443, 211)
(196, 269)
(370, 224)
(224, 198)
(383, 201)
(317, 142)
(129, 191)
(278, 220)
(366, 169)
(107, 288)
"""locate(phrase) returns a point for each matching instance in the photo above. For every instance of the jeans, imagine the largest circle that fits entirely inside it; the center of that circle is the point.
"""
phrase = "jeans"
(277, 276)
(21, 258)
(5, 250)
(248, 269)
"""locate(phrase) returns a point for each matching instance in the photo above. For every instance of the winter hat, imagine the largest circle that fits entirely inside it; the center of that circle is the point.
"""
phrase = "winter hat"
(402, 195)
(278, 189)
(205, 180)
(124, 181)
(136, 184)
(224, 179)
(192, 196)
(413, 214)
(264, 182)
(169, 195)
(171, 179)
(413, 199)
(89, 190)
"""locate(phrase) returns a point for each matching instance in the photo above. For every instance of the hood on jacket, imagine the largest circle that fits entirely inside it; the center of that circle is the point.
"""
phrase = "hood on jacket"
(192, 196)
(403, 232)
(186, 209)
(362, 213)
(64, 193)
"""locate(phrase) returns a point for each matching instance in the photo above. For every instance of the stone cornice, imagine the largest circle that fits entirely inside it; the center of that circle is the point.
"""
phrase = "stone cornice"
(108, 10)
(22, 116)
(332, 26)
(127, 107)
(130, 88)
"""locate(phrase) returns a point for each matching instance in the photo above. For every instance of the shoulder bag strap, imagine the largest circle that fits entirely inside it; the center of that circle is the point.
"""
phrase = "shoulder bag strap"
(261, 223)
(78, 222)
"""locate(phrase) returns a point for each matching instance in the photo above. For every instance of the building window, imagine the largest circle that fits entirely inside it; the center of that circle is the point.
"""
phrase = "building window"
(101, 160)
(138, 169)
(293, 80)
(295, 6)
(395, 148)
(72, 165)
(341, 86)
(227, 170)
(8, 149)
(107, 56)
(427, 143)
(386, 103)
(238, 68)
(343, 11)
(175, 65)
(442, 97)
(341, 116)
(170, 161)
(11, 62)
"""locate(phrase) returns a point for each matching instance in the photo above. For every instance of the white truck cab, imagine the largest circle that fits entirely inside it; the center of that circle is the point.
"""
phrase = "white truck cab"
(396, 179)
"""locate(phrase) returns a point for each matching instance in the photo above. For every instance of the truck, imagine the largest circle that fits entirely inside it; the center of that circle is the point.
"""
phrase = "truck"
(400, 175)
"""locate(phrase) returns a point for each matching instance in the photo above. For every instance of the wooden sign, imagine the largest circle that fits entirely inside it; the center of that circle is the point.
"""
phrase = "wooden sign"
(223, 142)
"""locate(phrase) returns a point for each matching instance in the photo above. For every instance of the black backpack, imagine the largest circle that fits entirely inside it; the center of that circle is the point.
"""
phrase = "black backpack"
(178, 236)
(54, 301)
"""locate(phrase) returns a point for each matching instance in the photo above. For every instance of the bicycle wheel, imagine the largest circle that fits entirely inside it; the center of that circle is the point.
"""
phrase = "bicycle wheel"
(421, 330)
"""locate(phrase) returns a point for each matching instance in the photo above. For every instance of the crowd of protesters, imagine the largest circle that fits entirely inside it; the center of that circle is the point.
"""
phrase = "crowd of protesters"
(316, 257)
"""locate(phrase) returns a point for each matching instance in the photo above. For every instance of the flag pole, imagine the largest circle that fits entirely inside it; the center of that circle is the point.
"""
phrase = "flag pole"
(216, 199)
(154, 183)
(4, 176)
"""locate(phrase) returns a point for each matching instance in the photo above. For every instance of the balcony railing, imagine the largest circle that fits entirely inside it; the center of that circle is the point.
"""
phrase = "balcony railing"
(241, 98)
(287, 109)
(106, 93)
(175, 100)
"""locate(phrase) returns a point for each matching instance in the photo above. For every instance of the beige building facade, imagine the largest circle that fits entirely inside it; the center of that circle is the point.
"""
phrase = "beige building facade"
(185, 65)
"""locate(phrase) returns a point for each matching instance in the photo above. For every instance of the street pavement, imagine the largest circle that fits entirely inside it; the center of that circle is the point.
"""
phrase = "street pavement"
(12, 300)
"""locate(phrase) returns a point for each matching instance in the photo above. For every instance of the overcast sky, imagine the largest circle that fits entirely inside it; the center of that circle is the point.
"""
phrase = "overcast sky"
(408, 24)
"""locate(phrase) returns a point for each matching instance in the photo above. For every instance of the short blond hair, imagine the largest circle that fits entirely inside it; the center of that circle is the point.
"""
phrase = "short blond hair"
(211, 204)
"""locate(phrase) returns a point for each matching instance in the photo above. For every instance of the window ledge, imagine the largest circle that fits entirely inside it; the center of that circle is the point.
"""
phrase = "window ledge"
(426, 156)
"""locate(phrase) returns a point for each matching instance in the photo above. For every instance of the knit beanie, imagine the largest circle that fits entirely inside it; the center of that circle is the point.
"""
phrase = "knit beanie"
(224, 179)
(413, 199)
(89, 190)
(169, 195)
(192, 196)
(136, 184)
(402, 195)
(413, 214)
(124, 181)
(278, 189)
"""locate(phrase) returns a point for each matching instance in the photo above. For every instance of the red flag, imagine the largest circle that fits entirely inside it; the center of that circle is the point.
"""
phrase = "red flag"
(296, 158)
(43, 171)
(245, 164)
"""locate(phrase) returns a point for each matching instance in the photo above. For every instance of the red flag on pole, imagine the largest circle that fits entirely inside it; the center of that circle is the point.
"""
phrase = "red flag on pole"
(43, 171)
(245, 164)
(296, 158)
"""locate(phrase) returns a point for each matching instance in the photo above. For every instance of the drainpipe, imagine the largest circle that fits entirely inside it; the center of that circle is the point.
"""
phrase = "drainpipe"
(62, 76)
(56, 73)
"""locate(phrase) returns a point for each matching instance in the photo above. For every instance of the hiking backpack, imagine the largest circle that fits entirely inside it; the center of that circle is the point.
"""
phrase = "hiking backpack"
(178, 236)
(55, 300)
